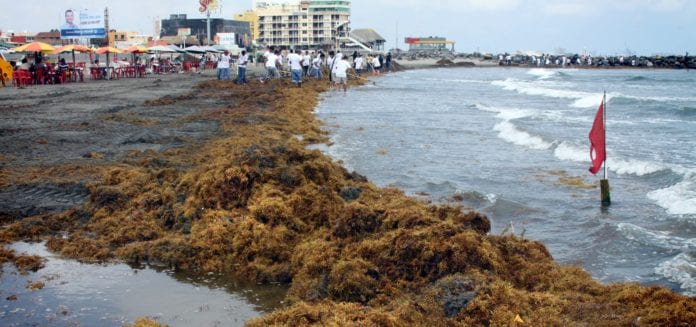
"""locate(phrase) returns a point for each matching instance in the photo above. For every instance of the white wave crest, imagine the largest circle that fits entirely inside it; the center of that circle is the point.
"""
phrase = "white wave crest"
(542, 73)
(656, 238)
(582, 99)
(632, 166)
(682, 270)
(509, 132)
(570, 152)
(678, 199)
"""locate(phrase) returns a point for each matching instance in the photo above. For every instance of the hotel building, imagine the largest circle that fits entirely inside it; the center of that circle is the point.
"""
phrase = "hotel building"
(303, 24)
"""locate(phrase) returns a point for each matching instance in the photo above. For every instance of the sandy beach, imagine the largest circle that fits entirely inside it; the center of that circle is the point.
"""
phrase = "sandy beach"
(185, 171)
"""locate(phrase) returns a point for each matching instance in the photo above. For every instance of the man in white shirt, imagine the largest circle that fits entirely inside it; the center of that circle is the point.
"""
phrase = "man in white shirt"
(295, 63)
(316, 65)
(271, 62)
(358, 64)
(306, 62)
(241, 67)
(341, 74)
(224, 66)
(376, 66)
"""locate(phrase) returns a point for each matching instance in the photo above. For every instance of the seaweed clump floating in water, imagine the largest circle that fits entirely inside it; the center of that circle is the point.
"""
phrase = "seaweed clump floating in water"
(255, 202)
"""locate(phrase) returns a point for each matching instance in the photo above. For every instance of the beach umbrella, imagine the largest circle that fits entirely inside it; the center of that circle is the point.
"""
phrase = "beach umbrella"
(208, 48)
(133, 49)
(136, 49)
(72, 48)
(177, 49)
(161, 48)
(194, 49)
(107, 50)
(34, 47)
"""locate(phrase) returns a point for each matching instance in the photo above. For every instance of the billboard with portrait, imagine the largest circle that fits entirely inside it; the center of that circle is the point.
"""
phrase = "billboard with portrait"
(82, 24)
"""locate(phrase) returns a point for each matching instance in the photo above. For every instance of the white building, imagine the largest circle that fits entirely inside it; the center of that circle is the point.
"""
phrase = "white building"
(302, 24)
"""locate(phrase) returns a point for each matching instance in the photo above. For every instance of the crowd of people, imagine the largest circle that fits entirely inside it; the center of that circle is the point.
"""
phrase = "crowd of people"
(298, 65)
(302, 64)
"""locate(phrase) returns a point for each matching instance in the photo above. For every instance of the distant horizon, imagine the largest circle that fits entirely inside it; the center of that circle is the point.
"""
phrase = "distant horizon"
(620, 27)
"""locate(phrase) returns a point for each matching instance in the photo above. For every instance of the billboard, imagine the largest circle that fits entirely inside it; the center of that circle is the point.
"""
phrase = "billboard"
(206, 5)
(82, 24)
(226, 38)
(183, 31)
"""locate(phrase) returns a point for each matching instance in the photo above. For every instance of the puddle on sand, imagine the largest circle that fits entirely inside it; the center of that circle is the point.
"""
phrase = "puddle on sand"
(79, 294)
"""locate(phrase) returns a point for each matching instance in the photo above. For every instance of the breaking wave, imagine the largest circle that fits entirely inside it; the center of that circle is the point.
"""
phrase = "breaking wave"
(582, 99)
(678, 199)
(681, 270)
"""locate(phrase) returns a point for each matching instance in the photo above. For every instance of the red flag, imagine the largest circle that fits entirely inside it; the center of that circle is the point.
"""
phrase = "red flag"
(597, 141)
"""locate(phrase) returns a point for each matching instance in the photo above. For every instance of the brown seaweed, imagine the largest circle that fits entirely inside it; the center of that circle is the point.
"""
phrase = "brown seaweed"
(255, 202)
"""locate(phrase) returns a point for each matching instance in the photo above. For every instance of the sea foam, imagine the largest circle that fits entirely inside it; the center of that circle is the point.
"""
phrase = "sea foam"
(509, 132)
(682, 270)
(582, 99)
(678, 199)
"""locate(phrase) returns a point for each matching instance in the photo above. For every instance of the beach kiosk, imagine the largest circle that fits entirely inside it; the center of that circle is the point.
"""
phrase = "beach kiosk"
(429, 44)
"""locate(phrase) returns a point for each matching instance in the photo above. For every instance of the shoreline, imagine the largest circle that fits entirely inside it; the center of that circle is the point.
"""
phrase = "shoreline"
(475, 63)
(251, 198)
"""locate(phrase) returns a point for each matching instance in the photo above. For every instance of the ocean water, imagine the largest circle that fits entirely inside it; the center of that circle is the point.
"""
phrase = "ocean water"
(513, 144)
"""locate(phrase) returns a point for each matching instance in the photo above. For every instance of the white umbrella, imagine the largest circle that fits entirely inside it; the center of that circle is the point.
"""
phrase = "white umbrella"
(161, 48)
(210, 49)
(176, 49)
(194, 49)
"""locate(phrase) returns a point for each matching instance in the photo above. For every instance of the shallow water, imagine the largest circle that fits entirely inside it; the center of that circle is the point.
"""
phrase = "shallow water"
(80, 294)
(513, 144)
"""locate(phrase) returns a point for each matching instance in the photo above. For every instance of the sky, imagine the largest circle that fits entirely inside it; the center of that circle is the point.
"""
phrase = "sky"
(598, 27)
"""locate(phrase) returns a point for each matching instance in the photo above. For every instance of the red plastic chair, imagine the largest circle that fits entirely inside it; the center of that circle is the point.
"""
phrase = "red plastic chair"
(40, 76)
(21, 78)
(95, 73)
(61, 76)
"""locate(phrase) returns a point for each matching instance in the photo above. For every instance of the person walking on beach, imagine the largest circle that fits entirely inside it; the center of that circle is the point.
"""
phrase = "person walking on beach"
(306, 63)
(389, 61)
(223, 66)
(330, 63)
(358, 62)
(376, 65)
(341, 74)
(241, 68)
(271, 68)
(316, 65)
(295, 63)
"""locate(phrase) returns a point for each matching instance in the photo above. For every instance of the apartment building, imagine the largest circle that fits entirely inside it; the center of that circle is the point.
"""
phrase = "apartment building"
(303, 24)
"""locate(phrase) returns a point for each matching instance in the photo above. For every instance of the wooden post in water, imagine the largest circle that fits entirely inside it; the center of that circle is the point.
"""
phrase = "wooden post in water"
(606, 195)
(604, 183)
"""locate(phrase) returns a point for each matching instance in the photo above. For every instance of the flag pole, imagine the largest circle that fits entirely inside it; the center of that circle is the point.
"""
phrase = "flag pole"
(604, 183)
